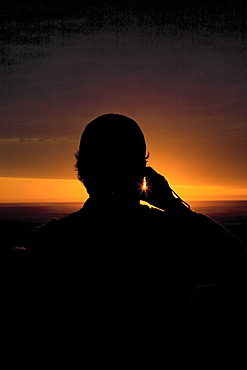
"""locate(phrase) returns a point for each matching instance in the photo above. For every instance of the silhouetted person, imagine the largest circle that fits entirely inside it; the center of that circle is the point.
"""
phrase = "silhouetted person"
(125, 277)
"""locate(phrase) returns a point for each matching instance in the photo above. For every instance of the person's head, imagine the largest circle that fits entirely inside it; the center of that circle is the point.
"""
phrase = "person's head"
(111, 155)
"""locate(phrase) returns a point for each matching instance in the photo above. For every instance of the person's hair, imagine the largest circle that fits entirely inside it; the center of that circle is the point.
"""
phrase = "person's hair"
(112, 147)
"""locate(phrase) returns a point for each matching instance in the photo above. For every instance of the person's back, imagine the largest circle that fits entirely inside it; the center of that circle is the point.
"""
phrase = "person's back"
(108, 255)
(129, 274)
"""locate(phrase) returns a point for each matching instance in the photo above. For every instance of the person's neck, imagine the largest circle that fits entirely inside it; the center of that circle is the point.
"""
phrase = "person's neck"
(114, 200)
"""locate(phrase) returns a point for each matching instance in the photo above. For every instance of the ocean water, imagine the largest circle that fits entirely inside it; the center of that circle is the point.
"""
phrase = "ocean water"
(18, 220)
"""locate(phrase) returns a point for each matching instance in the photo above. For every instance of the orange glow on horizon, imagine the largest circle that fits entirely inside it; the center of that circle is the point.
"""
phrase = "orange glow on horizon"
(59, 190)
(41, 190)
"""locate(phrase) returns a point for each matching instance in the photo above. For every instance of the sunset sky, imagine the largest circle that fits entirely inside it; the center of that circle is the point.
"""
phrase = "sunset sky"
(178, 68)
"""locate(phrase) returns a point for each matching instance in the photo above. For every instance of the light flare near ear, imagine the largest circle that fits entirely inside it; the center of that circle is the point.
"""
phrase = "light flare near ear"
(144, 186)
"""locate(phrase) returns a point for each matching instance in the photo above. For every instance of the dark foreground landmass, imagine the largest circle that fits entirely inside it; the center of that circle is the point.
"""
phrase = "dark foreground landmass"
(16, 225)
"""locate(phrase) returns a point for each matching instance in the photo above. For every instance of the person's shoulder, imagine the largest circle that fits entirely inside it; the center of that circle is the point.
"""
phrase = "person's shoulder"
(211, 229)
(203, 221)
(70, 219)
(46, 228)
(41, 233)
(51, 231)
(194, 225)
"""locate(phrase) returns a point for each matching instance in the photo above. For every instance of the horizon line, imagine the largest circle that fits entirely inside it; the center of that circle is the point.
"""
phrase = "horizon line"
(42, 190)
(43, 201)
